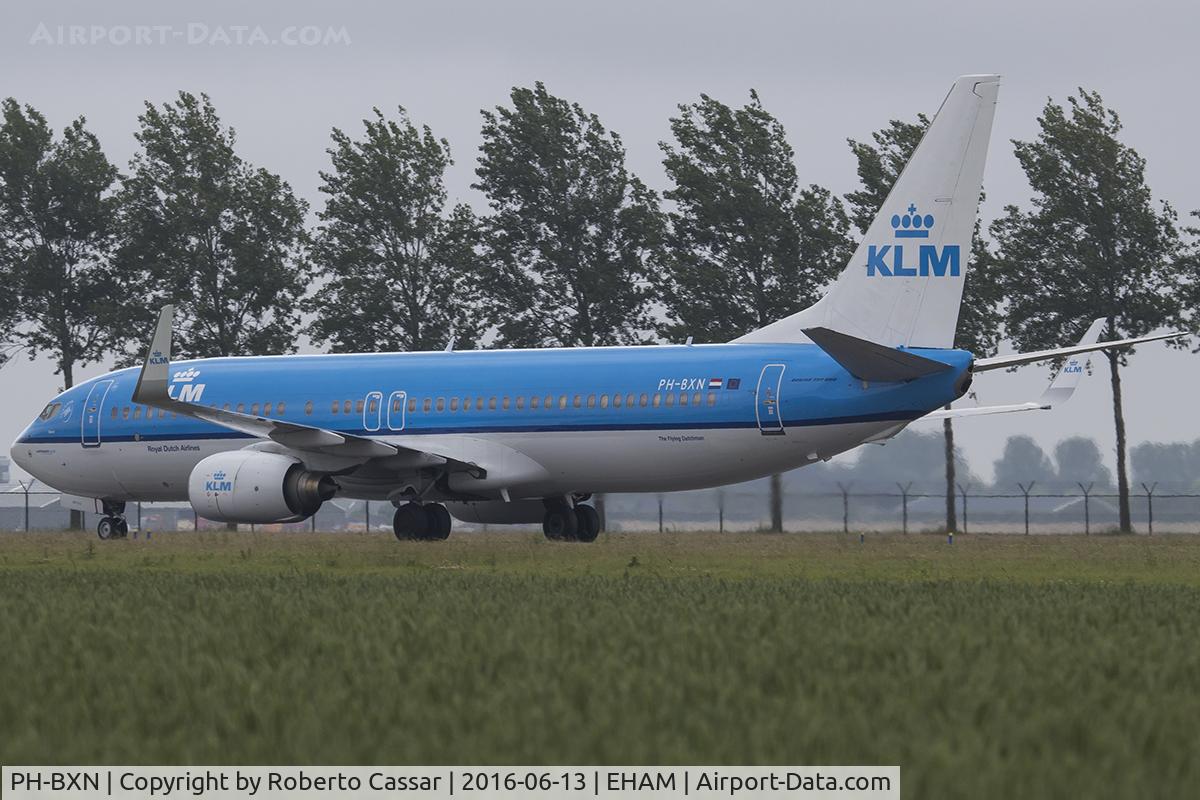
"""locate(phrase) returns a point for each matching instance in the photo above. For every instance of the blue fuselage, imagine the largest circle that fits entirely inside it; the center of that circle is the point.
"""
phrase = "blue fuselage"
(633, 398)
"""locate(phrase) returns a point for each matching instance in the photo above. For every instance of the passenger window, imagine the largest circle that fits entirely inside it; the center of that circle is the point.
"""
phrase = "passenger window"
(372, 406)
(412, 405)
(656, 401)
(125, 412)
(643, 400)
(137, 412)
(504, 403)
(308, 407)
(162, 414)
(604, 401)
(254, 409)
(549, 401)
(616, 401)
(479, 404)
(466, 404)
(670, 399)
(114, 412)
(577, 402)
(426, 404)
(336, 406)
(696, 399)
(441, 404)
(491, 404)
(712, 399)
(346, 407)
(562, 401)
(520, 402)
(395, 405)
(225, 407)
(454, 404)
(683, 398)
(241, 408)
(591, 401)
(279, 409)
(267, 408)
(358, 407)
(630, 400)
(535, 402)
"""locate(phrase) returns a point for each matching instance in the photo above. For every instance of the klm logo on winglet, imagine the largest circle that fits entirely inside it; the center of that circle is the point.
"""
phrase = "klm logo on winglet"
(888, 260)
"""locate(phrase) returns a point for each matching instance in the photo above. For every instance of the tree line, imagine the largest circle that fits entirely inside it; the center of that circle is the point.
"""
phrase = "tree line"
(573, 249)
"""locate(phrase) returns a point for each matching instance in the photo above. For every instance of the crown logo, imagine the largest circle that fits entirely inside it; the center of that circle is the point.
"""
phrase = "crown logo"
(912, 225)
(219, 475)
(186, 376)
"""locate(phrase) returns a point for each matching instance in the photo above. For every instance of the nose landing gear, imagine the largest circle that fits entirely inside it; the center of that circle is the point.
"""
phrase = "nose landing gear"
(113, 524)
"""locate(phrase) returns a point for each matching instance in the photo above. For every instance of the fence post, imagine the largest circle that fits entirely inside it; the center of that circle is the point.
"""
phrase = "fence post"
(367, 506)
(1150, 507)
(963, 491)
(26, 489)
(845, 489)
(195, 521)
(1087, 516)
(660, 513)
(904, 487)
(720, 510)
(139, 527)
(1025, 490)
(313, 523)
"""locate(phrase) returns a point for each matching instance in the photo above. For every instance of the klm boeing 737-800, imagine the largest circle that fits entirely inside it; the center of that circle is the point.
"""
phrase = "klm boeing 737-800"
(518, 436)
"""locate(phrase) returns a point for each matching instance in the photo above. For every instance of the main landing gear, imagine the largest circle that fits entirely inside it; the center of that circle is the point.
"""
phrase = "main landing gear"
(566, 524)
(113, 524)
(425, 521)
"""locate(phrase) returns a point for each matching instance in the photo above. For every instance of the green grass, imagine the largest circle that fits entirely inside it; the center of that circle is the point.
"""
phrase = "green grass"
(999, 666)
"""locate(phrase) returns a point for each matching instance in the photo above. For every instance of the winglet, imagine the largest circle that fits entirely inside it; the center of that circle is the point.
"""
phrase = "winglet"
(1064, 383)
(152, 382)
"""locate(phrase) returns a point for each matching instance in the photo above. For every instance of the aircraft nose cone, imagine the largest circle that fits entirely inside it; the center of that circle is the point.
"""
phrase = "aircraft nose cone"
(20, 455)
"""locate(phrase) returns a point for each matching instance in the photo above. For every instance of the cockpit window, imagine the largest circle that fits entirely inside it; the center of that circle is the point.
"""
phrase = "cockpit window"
(49, 411)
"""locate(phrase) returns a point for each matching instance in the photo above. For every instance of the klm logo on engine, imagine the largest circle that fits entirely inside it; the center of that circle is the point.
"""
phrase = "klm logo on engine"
(184, 388)
(887, 260)
(218, 482)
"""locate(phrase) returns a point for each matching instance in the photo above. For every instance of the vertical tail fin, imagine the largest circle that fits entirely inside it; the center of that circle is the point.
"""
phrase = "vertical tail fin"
(904, 284)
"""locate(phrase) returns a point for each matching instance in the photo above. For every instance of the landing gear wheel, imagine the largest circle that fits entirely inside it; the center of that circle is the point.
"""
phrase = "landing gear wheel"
(589, 523)
(121, 529)
(439, 521)
(106, 529)
(560, 523)
(410, 522)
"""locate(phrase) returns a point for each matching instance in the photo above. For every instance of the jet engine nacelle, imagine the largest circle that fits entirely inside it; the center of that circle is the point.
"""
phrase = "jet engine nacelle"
(249, 486)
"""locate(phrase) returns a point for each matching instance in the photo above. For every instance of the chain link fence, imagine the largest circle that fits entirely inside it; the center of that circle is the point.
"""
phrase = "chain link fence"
(902, 510)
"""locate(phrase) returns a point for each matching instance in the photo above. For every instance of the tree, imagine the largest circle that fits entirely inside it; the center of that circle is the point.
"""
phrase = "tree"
(979, 316)
(1024, 462)
(1092, 244)
(1079, 462)
(56, 240)
(746, 244)
(569, 245)
(401, 272)
(222, 239)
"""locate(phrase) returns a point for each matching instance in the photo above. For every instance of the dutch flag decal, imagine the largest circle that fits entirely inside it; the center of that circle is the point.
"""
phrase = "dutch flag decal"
(714, 383)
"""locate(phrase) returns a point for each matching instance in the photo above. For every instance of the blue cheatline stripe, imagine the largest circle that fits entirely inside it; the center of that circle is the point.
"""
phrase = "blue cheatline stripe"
(679, 425)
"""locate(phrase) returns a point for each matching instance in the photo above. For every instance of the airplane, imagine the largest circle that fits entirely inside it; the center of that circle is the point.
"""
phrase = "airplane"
(527, 436)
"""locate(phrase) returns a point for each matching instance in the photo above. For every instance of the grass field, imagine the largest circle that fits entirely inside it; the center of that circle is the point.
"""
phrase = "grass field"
(1000, 666)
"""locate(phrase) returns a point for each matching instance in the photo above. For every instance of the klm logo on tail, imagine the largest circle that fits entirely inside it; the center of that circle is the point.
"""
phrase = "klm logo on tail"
(887, 260)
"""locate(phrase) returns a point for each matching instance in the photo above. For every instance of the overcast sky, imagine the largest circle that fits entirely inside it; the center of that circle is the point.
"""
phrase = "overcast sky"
(828, 70)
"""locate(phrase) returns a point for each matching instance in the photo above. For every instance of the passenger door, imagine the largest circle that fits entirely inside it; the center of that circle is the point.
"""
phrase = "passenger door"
(93, 407)
(766, 400)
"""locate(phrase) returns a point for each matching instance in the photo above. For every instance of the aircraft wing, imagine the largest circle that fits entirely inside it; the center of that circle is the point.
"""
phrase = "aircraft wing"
(1016, 359)
(151, 390)
(1061, 387)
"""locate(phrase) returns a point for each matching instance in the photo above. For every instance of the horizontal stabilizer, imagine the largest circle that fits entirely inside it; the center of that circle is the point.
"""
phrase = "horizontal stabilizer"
(869, 361)
(1017, 359)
